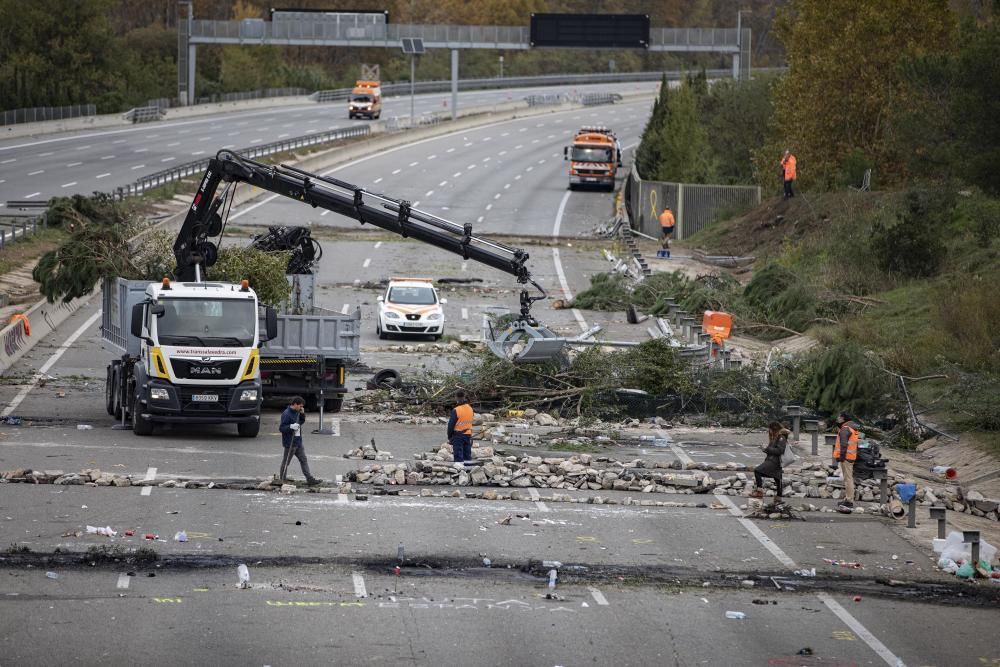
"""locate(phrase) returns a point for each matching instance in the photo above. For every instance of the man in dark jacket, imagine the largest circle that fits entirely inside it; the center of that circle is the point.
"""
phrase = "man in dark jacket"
(777, 440)
(292, 420)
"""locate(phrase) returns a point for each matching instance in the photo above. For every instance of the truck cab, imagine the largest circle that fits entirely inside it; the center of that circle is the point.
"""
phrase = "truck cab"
(594, 158)
(410, 307)
(191, 353)
(365, 100)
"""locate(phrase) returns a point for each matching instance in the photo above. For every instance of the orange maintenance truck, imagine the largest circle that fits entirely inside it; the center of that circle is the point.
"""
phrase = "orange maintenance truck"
(594, 157)
(365, 100)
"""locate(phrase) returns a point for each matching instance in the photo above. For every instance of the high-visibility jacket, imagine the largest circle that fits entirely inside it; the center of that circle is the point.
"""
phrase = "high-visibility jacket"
(789, 164)
(667, 219)
(463, 423)
(851, 453)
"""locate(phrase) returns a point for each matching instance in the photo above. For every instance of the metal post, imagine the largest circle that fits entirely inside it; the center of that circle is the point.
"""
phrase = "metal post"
(454, 84)
(939, 514)
(911, 511)
(883, 487)
(830, 440)
(795, 412)
(192, 56)
(971, 537)
(812, 428)
(413, 73)
(739, 45)
(680, 212)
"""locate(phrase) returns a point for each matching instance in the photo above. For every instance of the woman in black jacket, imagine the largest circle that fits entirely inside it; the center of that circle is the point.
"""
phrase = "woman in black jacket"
(777, 440)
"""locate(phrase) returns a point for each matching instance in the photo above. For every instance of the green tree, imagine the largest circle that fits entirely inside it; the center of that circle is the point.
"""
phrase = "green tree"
(648, 155)
(686, 154)
(844, 78)
(737, 115)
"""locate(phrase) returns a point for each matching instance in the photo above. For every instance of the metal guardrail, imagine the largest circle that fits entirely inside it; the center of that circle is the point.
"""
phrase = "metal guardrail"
(143, 114)
(166, 176)
(594, 99)
(11, 230)
(40, 114)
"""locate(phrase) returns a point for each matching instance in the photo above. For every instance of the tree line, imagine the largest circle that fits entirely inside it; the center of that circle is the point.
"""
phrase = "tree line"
(121, 53)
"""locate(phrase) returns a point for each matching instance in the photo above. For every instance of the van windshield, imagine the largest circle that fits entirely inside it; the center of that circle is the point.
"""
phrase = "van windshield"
(364, 99)
(591, 154)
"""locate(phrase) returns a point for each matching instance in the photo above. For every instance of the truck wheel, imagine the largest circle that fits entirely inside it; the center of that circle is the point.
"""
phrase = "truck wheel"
(249, 429)
(333, 404)
(109, 392)
(140, 426)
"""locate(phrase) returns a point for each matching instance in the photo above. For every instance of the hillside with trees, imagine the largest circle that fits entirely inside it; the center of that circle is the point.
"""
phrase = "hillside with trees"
(120, 54)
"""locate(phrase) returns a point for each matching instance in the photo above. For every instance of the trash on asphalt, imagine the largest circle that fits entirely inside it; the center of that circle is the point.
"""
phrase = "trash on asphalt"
(551, 564)
(844, 563)
(487, 562)
(129, 533)
(244, 573)
(84, 427)
(811, 572)
(738, 615)
(805, 651)
(749, 583)
(181, 536)
(11, 420)
(97, 530)
(51, 575)
(151, 536)
(505, 521)
(965, 571)
(906, 492)
(857, 598)
(763, 602)
(553, 575)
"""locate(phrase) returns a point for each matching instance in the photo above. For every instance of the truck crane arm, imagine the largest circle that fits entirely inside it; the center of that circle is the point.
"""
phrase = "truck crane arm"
(195, 252)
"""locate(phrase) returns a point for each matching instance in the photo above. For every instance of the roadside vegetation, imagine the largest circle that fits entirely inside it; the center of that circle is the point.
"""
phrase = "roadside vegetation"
(897, 284)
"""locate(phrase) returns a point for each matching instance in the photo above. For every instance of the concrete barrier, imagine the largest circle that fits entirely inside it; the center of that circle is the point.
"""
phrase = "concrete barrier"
(43, 318)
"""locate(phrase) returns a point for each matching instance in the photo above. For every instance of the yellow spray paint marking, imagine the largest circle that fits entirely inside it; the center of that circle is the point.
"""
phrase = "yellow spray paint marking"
(198, 536)
(200, 590)
(844, 635)
(779, 525)
(652, 203)
(311, 603)
(993, 662)
(642, 541)
(586, 538)
(168, 600)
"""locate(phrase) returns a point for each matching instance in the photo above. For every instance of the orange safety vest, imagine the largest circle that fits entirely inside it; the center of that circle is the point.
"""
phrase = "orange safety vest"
(789, 165)
(852, 445)
(667, 219)
(463, 423)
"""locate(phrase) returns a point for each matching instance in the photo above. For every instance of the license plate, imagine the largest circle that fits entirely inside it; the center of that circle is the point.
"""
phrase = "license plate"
(413, 326)
(590, 180)
(205, 398)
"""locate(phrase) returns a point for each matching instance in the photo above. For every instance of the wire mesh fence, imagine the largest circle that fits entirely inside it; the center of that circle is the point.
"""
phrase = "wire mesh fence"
(40, 114)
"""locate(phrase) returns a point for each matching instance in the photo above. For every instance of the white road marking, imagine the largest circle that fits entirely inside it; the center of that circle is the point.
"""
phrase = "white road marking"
(502, 153)
(359, 585)
(752, 528)
(486, 159)
(36, 173)
(81, 148)
(396, 171)
(465, 266)
(518, 177)
(681, 455)
(198, 153)
(529, 169)
(140, 150)
(542, 161)
(471, 166)
(450, 150)
(559, 214)
(432, 157)
(256, 141)
(107, 157)
(428, 193)
(326, 212)
(171, 145)
(456, 174)
(168, 159)
(542, 507)
(565, 286)
(479, 219)
(414, 163)
(45, 154)
(150, 475)
(518, 146)
(507, 186)
(146, 491)
(33, 194)
(68, 185)
(598, 596)
(368, 260)
(21, 395)
(377, 180)
(378, 245)
(489, 206)
(138, 166)
(496, 196)
(341, 499)
(282, 136)
(505, 134)
(465, 313)
(232, 134)
(123, 580)
(74, 164)
(442, 184)
(347, 307)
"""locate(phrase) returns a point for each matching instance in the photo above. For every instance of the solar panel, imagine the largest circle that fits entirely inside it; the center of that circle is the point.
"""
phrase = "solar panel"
(413, 45)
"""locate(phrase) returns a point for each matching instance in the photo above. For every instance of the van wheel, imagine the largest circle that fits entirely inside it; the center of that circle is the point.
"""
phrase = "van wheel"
(140, 426)
(249, 429)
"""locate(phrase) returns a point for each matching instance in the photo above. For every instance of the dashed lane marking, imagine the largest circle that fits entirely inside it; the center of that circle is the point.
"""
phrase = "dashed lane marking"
(123, 580)
(368, 260)
(343, 311)
(21, 395)
(150, 475)
(598, 596)
(359, 585)
(341, 499)
(465, 313)
(146, 491)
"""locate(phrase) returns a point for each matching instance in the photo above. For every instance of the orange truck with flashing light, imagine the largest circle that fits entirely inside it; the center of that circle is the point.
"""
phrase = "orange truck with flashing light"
(594, 158)
(365, 100)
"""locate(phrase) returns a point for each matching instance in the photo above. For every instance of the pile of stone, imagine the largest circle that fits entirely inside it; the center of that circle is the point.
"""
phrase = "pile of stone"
(88, 477)
(582, 471)
(369, 453)
(423, 348)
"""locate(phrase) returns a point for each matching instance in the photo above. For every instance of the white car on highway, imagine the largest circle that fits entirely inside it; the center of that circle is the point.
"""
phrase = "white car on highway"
(410, 307)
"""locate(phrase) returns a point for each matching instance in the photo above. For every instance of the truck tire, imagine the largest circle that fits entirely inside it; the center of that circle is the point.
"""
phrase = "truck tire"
(333, 404)
(249, 429)
(140, 426)
(109, 391)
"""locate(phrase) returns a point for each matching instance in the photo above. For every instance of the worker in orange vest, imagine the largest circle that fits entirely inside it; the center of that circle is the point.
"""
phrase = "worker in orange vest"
(666, 226)
(460, 431)
(788, 173)
(845, 453)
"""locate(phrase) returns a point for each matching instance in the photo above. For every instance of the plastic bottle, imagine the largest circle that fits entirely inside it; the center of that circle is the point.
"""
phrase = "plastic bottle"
(181, 536)
(51, 575)
(487, 562)
(945, 471)
(552, 579)
(738, 615)
(244, 574)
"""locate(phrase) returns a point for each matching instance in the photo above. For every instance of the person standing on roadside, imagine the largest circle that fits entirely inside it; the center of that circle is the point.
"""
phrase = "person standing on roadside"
(845, 453)
(290, 427)
(788, 173)
(667, 223)
(460, 430)
(777, 440)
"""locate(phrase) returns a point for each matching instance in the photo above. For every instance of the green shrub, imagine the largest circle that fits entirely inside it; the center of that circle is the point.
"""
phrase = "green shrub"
(913, 246)
(844, 377)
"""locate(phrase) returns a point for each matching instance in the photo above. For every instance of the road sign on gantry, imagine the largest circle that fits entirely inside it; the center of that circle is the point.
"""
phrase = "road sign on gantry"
(594, 31)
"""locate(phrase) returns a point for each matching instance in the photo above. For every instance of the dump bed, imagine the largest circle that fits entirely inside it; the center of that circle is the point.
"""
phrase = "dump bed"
(118, 295)
(319, 333)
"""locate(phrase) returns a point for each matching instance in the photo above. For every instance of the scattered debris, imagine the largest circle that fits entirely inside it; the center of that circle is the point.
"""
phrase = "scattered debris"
(244, 574)
(842, 563)
(505, 521)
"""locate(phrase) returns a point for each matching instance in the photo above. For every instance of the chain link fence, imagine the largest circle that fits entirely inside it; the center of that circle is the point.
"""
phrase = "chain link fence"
(695, 206)
(40, 114)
